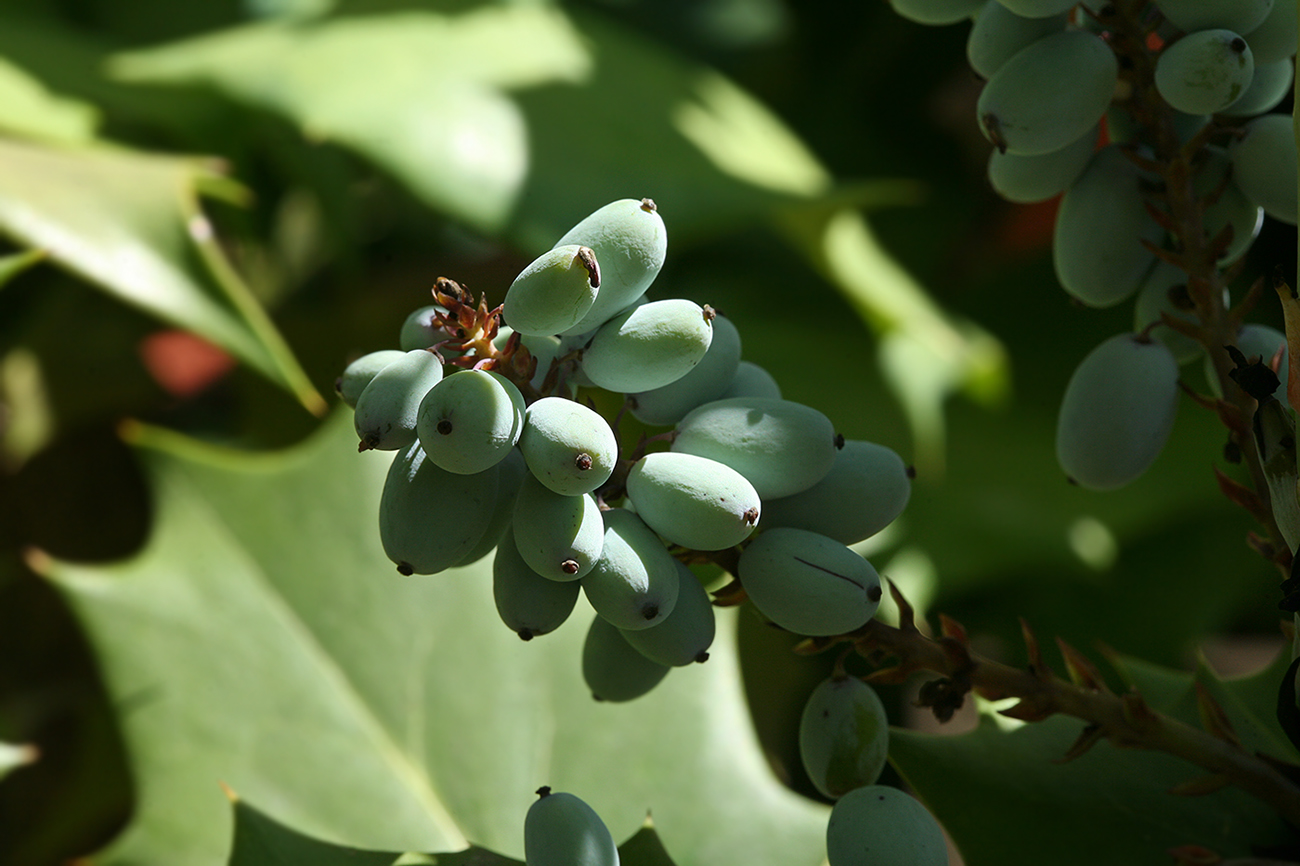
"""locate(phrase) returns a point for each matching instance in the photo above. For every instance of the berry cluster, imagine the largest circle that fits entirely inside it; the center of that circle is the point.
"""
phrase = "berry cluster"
(1157, 124)
(495, 450)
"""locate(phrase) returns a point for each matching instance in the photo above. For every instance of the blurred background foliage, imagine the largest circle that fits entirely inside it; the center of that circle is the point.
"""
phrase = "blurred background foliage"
(209, 208)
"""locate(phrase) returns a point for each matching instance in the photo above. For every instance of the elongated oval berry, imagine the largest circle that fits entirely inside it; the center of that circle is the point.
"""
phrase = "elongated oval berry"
(1226, 205)
(1205, 71)
(1275, 37)
(1117, 412)
(648, 346)
(1264, 165)
(613, 669)
(1028, 179)
(357, 375)
(1037, 8)
(936, 12)
(429, 518)
(529, 604)
(781, 446)
(1239, 15)
(865, 490)
(808, 583)
(999, 34)
(567, 446)
(558, 536)
(421, 329)
(1164, 291)
(554, 292)
(510, 478)
(634, 583)
(693, 501)
(883, 826)
(630, 242)
(1048, 94)
(685, 635)
(1097, 245)
(562, 830)
(470, 420)
(704, 382)
(751, 380)
(1268, 87)
(843, 736)
(387, 408)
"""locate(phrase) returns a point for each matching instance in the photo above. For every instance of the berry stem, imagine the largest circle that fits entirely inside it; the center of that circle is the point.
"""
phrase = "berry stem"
(1183, 212)
(1127, 720)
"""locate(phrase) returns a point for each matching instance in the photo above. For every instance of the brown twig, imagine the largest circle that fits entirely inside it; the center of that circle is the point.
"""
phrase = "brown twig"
(1127, 720)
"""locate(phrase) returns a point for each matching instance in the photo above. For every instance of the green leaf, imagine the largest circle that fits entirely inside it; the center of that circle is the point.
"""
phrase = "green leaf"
(644, 849)
(521, 120)
(262, 841)
(131, 224)
(29, 109)
(925, 354)
(261, 639)
(421, 94)
(1001, 789)
(14, 264)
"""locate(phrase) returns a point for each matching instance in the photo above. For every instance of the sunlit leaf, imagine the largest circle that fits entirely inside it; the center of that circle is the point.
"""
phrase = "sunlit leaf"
(262, 841)
(422, 94)
(1109, 805)
(130, 223)
(262, 640)
(29, 109)
(522, 120)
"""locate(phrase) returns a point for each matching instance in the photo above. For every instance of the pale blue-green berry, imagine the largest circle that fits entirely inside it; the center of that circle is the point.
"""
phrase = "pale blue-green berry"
(843, 736)
(634, 584)
(562, 830)
(1205, 71)
(357, 375)
(807, 583)
(510, 478)
(704, 382)
(470, 420)
(1117, 411)
(881, 826)
(567, 446)
(648, 346)
(686, 634)
(1048, 94)
(693, 501)
(554, 292)
(751, 380)
(629, 241)
(387, 408)
(558, 536)
(780, 446)
(865, 490)
(529, 604)
(429, 518)
(613, 669)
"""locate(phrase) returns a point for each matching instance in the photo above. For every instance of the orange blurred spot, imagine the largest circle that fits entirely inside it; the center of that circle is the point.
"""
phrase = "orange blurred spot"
(183, 363)
(1028, 227)
(1154, 42)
